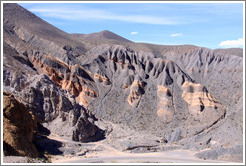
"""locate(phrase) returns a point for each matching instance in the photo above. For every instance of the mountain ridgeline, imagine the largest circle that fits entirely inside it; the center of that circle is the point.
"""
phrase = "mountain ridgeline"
(88, 87)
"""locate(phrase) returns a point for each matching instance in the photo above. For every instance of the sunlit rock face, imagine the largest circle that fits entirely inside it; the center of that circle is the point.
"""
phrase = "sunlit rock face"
(19, 128)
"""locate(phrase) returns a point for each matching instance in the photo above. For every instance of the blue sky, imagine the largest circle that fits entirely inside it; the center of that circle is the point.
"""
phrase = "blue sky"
(212, 25)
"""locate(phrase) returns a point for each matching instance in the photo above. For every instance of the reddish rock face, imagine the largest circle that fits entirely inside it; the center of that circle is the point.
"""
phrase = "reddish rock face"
(73, 78)
(19, 127)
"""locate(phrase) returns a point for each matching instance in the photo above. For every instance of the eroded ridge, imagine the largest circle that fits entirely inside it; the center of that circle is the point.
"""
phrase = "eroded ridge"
(136, 92)
(165, 105)
(73, 78)
(200, 102)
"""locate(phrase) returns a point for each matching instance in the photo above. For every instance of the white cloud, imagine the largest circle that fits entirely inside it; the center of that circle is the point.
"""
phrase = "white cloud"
(87, 14)
(134, 33)
(232, 43)
(177, 34)
(158, 42)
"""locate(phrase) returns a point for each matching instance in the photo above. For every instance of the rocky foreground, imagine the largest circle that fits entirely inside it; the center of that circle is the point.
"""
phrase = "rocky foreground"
(134, 97)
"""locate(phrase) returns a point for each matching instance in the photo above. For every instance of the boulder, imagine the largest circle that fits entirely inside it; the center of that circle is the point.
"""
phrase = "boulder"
(86, 131)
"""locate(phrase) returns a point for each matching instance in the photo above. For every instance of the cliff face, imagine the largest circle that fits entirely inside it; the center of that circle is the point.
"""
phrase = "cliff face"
(19, 128)
(184, 94)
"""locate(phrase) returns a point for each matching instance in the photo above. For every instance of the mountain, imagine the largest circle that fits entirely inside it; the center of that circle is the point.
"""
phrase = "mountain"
(104, 35)
(134, 97)
(230, 51)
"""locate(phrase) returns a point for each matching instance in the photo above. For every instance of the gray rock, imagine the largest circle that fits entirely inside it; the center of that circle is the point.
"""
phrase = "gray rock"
(86, 131)
(220, 151)
(175, 136)
(212, 155)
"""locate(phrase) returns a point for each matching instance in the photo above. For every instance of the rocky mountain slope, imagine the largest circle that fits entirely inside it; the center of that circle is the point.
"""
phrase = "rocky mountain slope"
(102, 86)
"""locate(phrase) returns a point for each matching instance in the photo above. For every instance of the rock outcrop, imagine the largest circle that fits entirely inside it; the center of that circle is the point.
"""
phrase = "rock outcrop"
(72, 78)
(136, 91)
(165, 104)
(86, 131)
(19, 128)
(200, 102)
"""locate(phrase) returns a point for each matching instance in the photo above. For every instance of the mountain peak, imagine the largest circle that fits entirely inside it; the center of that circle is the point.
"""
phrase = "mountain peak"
(103, 35)
(106, 31)
(110, 35)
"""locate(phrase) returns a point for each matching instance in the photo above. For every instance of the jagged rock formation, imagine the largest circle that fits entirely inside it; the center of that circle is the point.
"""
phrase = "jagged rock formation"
(19, 127)
(72, 78)
(165, 104)
(154, 88)
(136, 91)
(72, 83)
(198, 98)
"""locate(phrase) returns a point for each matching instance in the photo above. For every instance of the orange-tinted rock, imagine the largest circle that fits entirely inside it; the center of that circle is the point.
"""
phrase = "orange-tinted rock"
(136, 91)
(71, 78)
(198, 98)
(101, 78)
(165, 104)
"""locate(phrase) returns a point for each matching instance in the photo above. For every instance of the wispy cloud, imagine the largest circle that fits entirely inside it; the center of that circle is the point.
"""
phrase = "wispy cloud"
(176, 34)
(217, 8)
(88, 14)
(134, 33)
(158, 42)
(232, 43)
